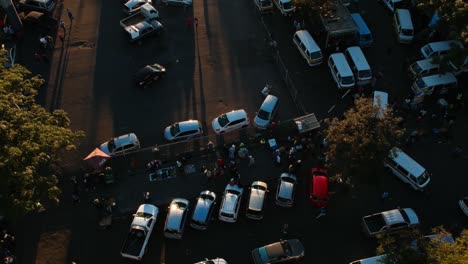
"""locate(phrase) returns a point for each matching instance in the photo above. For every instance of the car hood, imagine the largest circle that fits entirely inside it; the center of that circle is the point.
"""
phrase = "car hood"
(105, 148)
(261, 122)
(215, 125)
(296, 247)
(167, 133)
(286, 190)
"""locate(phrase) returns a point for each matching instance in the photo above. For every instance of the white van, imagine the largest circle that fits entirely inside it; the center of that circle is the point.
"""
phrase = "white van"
(266, 112)
(440, 48)
(381, 100)
(423, 68)
(358, 63)
(340, 70)
(372, 260)
(438, 82)
(403, 25)
(308, 47)
(408, 170)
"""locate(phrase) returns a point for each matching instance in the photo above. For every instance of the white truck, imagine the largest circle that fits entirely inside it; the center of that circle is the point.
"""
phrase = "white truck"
(285, 7)
(137, 239)
(143, 23)
(389, 221)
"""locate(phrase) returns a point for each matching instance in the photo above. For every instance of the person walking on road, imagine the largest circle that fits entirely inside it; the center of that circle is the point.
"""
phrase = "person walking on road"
(70, 15)
(62, 26)
(189, 22)
(195, 22)
(251, 161)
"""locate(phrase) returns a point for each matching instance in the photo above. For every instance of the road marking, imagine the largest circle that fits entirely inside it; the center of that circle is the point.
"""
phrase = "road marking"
(162, 259)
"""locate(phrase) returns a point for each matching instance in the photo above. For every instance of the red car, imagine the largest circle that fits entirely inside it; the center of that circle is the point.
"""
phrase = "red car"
(319, 187)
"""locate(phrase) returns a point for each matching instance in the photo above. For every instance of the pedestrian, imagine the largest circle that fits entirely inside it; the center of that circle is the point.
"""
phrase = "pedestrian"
(188, 22)
(195, 22)
(86, 181)
(208, 174)
(61, 38)
(37, 57)
(220, 162)
(62, 26)
(385, 196)
(232, 152)
(70, 15)
(295, 24)
(298, 26)
(44, 58)
(251, 161)
(75, 198)
(323, 212)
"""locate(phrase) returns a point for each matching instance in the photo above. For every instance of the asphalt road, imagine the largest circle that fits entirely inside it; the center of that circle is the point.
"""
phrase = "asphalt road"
(219, 67)
(223, 66)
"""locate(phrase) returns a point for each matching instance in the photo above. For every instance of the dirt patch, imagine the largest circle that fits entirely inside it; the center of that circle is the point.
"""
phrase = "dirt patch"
(53, 247)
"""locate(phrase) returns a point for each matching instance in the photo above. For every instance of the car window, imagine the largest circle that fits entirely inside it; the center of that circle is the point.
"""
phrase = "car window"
(118, 149)
(223, 120)
(175, 129)
(186, 133)
(150, 221)
(262, 114)
(233, 123)
(129, 146)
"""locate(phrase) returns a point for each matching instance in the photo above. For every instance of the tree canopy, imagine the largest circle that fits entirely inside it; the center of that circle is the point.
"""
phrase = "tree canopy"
(411, 247)
(453, 16)
(32, 140)
(360, 141)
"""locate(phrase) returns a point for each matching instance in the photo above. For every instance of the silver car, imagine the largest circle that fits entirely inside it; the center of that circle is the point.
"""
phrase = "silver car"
(286, 189)
(203, 210)
(279, 252)
(183, 130)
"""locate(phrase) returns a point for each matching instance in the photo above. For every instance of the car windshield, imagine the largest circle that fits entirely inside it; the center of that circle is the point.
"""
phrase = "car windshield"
(366, 37)
(111, 145)
(365, 74)
(347, 80)
(207, 197)
(259, 187)
(287, 6)
(284, 200)
(180, 205)
(227, 214)
(316, 55)
(407, 32)
(288, 179)
(262, 114)
(286, 248)
(175, 129)
(423, 178)
(233, 192)
(143, 214)
(416, 68)
(428, 50)
(265, 3)
(420, 83)
(223, 120)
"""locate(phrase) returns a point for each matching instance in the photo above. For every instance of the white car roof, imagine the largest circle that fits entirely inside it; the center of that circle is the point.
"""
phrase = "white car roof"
(257, 196)
(408, 163)
(175, 214)
(393, 217)
(132, 3)
(286, 190)
(236, 114)
(230, 201)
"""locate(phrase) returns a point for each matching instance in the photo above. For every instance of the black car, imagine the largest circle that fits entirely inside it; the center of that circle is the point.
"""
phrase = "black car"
(148, 74)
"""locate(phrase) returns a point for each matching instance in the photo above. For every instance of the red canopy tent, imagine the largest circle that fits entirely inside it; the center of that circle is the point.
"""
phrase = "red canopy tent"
(96, 159)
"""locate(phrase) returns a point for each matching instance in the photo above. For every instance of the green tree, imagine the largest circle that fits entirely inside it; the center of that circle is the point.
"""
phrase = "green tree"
(32, 140)
(410, 247)
(358, 143)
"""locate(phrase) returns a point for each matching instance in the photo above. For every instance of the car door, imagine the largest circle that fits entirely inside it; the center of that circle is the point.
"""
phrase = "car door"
(235, 124)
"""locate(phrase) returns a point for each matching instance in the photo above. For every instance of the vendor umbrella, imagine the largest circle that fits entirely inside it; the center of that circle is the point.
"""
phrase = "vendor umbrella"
(96, 159)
